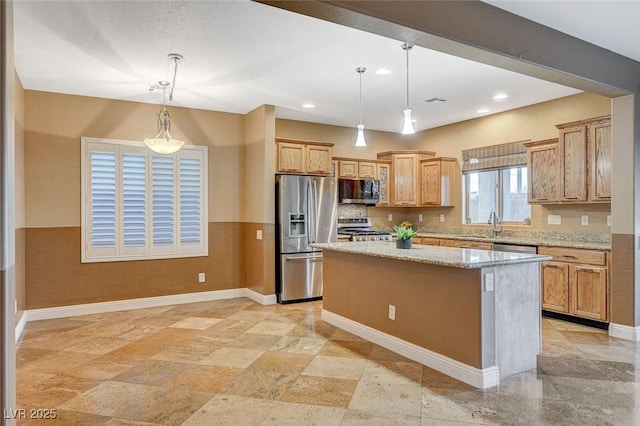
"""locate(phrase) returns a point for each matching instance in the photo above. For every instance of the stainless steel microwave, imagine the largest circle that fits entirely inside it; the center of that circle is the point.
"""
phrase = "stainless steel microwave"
(359, 191)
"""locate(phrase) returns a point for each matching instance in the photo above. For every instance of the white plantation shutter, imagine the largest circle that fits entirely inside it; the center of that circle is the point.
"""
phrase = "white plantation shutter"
(103, 202)
(190, 202)
(137, 204)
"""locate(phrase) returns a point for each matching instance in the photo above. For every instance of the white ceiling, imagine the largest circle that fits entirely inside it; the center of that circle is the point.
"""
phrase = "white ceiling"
(239, 55)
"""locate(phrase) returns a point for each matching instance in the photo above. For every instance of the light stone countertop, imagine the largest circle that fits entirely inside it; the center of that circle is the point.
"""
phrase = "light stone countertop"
(521, 240)
(433, 255)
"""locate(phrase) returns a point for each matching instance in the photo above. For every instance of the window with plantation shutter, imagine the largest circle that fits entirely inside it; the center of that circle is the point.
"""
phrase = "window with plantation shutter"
(137, 204)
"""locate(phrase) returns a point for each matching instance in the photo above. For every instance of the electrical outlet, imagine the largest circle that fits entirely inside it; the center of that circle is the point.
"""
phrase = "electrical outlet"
(420, 218)
(201, 277)
(585, 219)
(390, 217)
(392, 312)
(608, 220)
(259, 234)
(554, 219)
(488, 282)
(442, 218)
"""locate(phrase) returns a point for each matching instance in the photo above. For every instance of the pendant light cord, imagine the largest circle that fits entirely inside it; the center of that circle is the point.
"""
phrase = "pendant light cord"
(175, 72)
(407, 46)
(359, 72)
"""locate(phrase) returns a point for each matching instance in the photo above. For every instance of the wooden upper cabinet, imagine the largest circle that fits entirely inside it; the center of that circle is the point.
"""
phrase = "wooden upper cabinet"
(438, 181)
(318, 159)
(353, 168)
(348, 169)
(291, 157)
(405, 174)
(300, 157)
(599, 137)
(367, 170)
(542, 171)
(573, 157)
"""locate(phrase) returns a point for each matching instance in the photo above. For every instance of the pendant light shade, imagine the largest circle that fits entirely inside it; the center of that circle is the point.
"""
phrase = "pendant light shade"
(163, 143)
(407, 128)
(360, 141)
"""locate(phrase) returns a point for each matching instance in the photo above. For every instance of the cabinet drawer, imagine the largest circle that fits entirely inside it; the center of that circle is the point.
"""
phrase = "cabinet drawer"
(563, 254)
(466, 244)
(426, 241)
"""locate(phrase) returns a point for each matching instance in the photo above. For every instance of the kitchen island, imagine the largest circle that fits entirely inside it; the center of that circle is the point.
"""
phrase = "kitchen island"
(471, 314)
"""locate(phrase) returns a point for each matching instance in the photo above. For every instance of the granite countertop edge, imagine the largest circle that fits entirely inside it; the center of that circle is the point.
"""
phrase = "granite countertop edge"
(432, 255)
(590, 245)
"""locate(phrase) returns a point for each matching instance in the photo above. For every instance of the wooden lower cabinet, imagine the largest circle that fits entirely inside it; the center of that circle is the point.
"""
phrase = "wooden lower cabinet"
(576, 282)
(589, 291)
(466, 244)
(555, 286)
(426, 241)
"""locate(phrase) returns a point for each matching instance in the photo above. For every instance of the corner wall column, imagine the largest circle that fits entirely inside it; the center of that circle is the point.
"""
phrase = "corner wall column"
(625, 213)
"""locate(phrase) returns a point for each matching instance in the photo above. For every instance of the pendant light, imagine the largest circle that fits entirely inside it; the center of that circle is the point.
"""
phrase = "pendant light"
(163, 143)
(407, 128)
(360, 139)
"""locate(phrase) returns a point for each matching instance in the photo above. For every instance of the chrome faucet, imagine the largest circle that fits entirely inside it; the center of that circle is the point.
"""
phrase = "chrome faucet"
(495, 221)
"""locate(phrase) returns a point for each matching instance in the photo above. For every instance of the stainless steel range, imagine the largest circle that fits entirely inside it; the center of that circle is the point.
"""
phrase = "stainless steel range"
(359, 229)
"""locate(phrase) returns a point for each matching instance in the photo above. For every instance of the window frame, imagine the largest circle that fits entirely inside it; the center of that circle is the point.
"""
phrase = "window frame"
(498, 194)
(121, 253)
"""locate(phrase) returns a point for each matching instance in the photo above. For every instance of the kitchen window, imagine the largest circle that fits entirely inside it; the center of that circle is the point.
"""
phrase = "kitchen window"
(495, 179)
(137, 204)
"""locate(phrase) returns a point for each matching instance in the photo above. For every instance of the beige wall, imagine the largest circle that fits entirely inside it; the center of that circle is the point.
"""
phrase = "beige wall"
(535, 122)
(53, 126)
(56, 122)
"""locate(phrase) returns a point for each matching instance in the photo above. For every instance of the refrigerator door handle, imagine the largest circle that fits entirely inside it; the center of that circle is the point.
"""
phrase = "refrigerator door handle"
(309, 221)
(314, 207)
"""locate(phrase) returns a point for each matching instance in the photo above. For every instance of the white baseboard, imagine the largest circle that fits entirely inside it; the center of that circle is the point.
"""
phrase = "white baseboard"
(269, 299)
(625, 332)
(146, 302)
(479, 378)
(20, 326)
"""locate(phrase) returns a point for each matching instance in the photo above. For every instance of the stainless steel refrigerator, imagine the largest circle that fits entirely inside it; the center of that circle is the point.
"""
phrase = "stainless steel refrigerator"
(306, 213)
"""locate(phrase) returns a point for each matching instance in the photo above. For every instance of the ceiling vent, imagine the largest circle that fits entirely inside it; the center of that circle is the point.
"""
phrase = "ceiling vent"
(434, 99)
(156, 87)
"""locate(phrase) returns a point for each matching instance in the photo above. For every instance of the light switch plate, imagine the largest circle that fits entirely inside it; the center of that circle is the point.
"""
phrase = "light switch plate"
(259, 234)
(390, 217)
(585, 219)
(201, 277)
(392, 312)
(441, 218)
(608, 220)
(554, 219)
(420, 218)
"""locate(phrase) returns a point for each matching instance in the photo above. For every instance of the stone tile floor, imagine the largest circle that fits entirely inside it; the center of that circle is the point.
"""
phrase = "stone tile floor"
(234, 362)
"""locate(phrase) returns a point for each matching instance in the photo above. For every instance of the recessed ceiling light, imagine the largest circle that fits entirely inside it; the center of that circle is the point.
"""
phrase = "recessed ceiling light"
(308, 106)
(500, 96)
(482, 111)
(383, 71)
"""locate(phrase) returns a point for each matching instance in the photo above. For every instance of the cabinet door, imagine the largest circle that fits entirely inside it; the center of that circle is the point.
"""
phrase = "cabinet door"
(555, 286)
(589, 291)
(348, 169)
(405, 180)
(466, 244)
(367, 170)
(542, 170)
(383, 174)
(599, 136)
(291, 157)
(430, 179)
(573, 160)
(318, 159)
(426, 241)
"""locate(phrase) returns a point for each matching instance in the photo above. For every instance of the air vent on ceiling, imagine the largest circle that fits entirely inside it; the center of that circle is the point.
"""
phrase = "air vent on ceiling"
(434, 99)
(155, 87)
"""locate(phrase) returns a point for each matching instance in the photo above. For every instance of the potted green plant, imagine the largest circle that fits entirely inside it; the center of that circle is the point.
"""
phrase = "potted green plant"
(404, 235)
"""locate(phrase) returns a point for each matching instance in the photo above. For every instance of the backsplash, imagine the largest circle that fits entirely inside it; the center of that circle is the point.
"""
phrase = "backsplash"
(352, 210)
